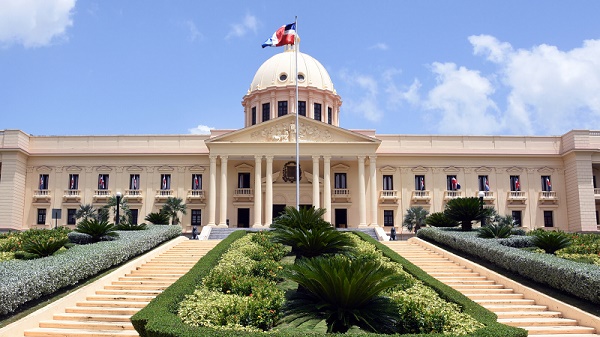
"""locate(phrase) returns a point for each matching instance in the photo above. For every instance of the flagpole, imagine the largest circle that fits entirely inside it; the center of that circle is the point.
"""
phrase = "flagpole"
(296, 41)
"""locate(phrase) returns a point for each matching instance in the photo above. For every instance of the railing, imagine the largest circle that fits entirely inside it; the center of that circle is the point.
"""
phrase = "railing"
(72, 195)
(133, 195)
(195, 195)
(102, 194)
(452, 194)
(41, 195)
(548, 196)
(340, 194)
(421, 196)
(597, 192)
(517, 196)
(243, 193)
(388, 195)
(487, 195)
(163, 194)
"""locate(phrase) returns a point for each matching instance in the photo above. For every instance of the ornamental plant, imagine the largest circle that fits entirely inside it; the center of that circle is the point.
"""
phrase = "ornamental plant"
(550, 241)
(97, 229)
(43, 247)
(495, 231)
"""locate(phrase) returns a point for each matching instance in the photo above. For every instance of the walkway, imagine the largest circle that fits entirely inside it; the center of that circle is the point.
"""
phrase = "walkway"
(515, 304)
(106, 310)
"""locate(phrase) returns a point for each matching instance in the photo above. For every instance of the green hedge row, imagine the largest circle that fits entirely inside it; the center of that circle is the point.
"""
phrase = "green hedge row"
(579, 279)
(159, 318)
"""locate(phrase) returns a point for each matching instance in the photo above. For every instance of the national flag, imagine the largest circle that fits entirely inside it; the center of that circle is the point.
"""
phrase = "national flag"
(454, 183)
(286, 34)
(487, 185)
(517, 184)
(134, 183)
(196, 183)
(41, 182)
(422, 184)
(548, 184)
(164, 183)
(101, 182)
(72, 182)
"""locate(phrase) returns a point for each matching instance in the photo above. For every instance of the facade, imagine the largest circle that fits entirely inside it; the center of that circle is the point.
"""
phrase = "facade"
(245, 177)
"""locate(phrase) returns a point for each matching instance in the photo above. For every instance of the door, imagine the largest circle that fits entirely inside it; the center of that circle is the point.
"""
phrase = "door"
(243, 218)
(277, 210)
(341, 218)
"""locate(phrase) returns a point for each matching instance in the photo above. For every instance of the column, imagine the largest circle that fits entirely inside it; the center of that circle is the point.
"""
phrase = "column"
(373, 194)
(257, 192)
(269, 191)
(223, 199)
(362, 204)
(315, 182)
(212, 191)
(327, 188)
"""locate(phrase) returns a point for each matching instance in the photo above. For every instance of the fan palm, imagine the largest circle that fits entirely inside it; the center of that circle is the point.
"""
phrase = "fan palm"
(344, 293)
(415, 218)
(550, 241)
(96, 229)
(439, 219)
(172, 207)
(465, 211)
(85, 211)
(124, 211)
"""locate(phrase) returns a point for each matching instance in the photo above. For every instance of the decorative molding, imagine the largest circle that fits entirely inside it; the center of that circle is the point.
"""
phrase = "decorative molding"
(286, 132)
(73, 168)
(514, 169)
(388, 169)
(451, 169)
(29, 169)
(340, 167)
(44, 168)
(545, 169)
(165, 168)
(89, 169)
(119, 169)
(500, 169)
(134, 168)
(59, 169)
(405, 170)
(181, 169)
(484, 169)
(437, 170)
(468, 170)
(197, 168)
(103, 168)
(243, 167)
(419, 169)
(531, 170)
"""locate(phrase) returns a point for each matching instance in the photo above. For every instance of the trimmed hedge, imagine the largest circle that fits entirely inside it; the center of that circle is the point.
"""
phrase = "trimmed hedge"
(578, 279)
(159, 318)
(23, 281)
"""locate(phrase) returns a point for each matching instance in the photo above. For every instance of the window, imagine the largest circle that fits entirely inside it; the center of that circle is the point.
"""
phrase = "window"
(134, 216)
(515, 184)
(165, 182)
(103, 181)
(419, 183)
(41, 216)
(516, 215)
(196, 181)
(43, 181)
(340, 180)
(388, 182)
(253, 115)
(388, 218)
(302, 108)
(73, 181)
(597, 218)
(196, 217)
(244, 180)
(548, 220)
(71, 220)
(546, 184)
(484, 183)
(329, 115)
(594, 181)
(266, 112)
(282, 108)
(317, 111)
(451, 183)
(134, 182)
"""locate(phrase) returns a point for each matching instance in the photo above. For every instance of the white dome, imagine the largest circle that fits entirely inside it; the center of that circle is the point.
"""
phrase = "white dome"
(278, 71)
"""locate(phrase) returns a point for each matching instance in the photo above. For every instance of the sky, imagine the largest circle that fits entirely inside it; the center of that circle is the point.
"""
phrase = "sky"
(112, 67)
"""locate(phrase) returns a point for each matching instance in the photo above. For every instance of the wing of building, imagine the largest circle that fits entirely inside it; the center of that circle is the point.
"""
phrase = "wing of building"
(245, 177)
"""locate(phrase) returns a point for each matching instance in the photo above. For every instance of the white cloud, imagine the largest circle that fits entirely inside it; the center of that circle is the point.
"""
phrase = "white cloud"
(550, 91)
(380, 46)
(34, 23)
(461, 101)
(201, 130)
(193, 30)
(241, 29)
(365, 102)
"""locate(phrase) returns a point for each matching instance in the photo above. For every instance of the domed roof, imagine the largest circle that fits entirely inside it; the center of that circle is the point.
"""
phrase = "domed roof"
(278, 71)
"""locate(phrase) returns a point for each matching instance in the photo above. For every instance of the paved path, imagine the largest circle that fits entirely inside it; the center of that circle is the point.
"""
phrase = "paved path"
(514, 304)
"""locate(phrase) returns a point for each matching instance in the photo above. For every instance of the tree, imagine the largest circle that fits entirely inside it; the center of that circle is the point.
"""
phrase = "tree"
(124, 211)
(86, 211)
(172, 207)
(465, 211)
(439, 219)
(415, 218)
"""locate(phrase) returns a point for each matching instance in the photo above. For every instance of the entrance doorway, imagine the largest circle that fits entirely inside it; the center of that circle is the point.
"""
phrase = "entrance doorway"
(341, 218)
(243, 218)
(277, 210)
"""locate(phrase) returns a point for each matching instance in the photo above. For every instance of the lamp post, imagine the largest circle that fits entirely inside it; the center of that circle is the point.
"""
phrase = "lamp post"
(481, 195)
(118, 206)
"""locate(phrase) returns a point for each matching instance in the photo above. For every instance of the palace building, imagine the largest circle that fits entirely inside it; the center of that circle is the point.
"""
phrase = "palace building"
(245, 177)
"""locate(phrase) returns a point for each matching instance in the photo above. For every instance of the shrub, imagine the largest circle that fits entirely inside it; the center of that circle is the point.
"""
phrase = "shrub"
(6, 256)
(159, 218)
(44, 246)
(439, 219)
(495, 231)
(126, 226)
(98, 230)
(80, 238)
(550, 241)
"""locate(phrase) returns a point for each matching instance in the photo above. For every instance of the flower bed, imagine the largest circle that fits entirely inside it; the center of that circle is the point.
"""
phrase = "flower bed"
(26, 280)
(579, 279)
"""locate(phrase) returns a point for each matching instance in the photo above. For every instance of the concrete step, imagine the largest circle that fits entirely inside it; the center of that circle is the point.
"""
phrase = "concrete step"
(92, 317)
(538, 321)
(130, 298)
(112, 304)
(89, 325)
(53, 332)
(102, 310)
(553, 330)
(528, 314)
(500, 308)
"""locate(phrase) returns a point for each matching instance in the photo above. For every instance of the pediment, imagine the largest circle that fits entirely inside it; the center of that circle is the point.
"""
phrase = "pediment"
(483, 169)
(546, 169)
(44, 169)
(514, 169)
(419, 169)
(135, 168)
(197, 168)
(103, 168)
(451, 169)
(388, 169)
(340, 167)
(283, 130)
(165, 168)
(73, 168)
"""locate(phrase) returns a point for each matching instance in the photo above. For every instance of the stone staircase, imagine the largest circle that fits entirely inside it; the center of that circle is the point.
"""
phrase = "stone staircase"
(107, 312)
(512, 307)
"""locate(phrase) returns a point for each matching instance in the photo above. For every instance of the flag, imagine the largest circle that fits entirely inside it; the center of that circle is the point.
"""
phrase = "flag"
(41, 182)
(487, 184)
(548, 184)
(101, 182)
(422, 186)
(284, 35)
(454, 183)
(196, 184)
(517, 184)
(72, 182)
(164, 182)
(134, 183)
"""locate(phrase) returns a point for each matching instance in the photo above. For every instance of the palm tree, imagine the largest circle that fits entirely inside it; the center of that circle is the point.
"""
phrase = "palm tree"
(344, 293)
(85, 211)
(415, 218)
(308, 234)
(124, 211)
(439, 219)
(465, 211)
(172, 207)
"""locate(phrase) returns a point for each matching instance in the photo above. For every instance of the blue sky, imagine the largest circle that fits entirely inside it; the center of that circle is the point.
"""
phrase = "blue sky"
(111, 67)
